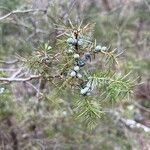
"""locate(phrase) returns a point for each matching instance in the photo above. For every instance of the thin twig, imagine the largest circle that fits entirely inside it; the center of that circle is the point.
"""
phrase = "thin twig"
(34, 88)
(9, 62)
(20, 12)
(19, 79)
(141, 107)
(16, 73)
(7, 69)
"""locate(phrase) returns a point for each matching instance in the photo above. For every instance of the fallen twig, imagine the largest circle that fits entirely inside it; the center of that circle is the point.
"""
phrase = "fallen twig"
(131, 124)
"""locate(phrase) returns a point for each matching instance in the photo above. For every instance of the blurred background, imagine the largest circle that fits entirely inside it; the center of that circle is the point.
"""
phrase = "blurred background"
(123, 24)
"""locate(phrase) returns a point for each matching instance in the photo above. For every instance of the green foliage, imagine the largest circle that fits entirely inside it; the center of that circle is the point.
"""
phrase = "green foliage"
(88, 111)
(113, 87)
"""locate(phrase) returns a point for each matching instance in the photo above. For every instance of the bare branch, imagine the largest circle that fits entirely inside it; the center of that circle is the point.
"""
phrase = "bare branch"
(34, 87)
(9, 62)
(7, 69)
(16, 73)
(20, 79)
(20, 12)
